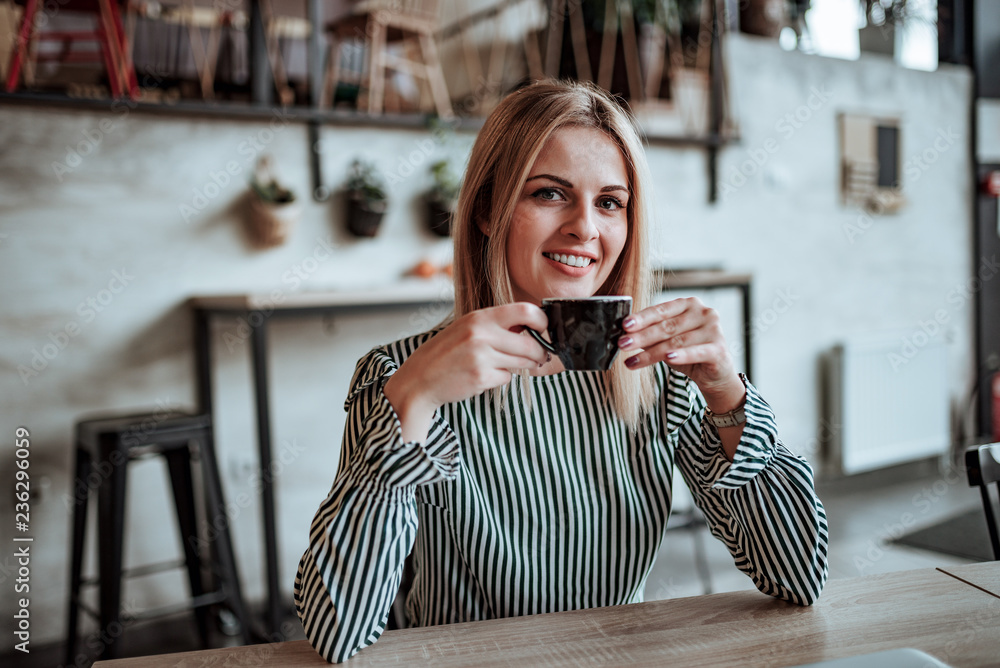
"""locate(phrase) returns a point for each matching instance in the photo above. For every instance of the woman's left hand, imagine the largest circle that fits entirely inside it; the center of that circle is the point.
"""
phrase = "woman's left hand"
(686, 335)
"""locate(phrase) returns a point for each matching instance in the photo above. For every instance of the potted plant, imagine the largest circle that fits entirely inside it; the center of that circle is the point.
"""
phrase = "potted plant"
(273, 207)
(366, 199)
(441, 198)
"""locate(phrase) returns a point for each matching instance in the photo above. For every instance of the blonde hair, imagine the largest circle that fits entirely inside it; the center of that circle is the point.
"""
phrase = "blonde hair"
(501, 159)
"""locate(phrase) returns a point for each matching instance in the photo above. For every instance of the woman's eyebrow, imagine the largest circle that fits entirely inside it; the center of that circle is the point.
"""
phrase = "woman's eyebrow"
(566, 184)
(563, 182)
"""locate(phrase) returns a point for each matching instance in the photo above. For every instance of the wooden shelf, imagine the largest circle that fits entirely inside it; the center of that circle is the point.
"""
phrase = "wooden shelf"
(261, 108)
(236, 110)
(332, 117)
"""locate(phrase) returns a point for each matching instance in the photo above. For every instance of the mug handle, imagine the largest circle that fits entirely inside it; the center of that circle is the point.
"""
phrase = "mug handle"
(538, 337)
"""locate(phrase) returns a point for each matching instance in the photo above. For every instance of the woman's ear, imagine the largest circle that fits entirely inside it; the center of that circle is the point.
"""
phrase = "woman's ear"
(481, 224)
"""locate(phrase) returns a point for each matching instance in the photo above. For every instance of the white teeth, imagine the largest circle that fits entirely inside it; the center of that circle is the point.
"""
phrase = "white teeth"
(571, 260)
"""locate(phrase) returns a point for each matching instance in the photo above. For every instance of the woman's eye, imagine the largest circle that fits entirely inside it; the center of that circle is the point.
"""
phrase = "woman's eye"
(611, 204)
(549, 194)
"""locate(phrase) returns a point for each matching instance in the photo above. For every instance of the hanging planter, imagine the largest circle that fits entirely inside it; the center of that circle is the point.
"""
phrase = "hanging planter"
(442, 198)
(273, 209)
(364, 217)
(367, 200)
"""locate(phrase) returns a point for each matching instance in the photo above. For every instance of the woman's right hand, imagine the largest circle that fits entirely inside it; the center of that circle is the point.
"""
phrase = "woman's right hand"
(477, 352)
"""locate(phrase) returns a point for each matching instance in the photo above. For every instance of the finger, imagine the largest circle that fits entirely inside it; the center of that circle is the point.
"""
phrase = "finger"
(693, 337)
(523, 346)
(706, 353)
(680, 327)
(516, 362)
(520, 314)
(493, 378)
(656, 313)
(640, 360)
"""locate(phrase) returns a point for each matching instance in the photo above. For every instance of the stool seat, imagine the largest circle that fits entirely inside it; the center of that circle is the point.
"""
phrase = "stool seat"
(135, 427)
(105, 445)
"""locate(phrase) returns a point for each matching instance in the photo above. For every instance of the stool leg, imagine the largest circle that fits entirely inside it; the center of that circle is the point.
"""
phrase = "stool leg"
(179, 464)
(332, 74)
(111, 531)
(20, 49)
(219, 521)
(376, 66)
(81, 499)
(129, 80)
(110, 46)
(435, 76)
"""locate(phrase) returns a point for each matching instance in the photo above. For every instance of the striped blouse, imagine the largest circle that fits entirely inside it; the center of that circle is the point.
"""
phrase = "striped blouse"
(514, 511)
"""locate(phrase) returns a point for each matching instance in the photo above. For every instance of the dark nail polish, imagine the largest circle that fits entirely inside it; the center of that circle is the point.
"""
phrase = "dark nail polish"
(625, 342)
(628, 322)
(632, 361)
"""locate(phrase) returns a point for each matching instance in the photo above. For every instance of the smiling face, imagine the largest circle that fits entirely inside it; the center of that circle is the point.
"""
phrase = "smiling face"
(570, 222)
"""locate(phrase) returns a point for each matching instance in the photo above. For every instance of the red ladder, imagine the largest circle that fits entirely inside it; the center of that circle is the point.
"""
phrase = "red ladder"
(109, 33)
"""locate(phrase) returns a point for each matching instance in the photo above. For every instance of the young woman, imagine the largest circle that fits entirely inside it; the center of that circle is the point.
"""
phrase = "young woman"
(522, 488)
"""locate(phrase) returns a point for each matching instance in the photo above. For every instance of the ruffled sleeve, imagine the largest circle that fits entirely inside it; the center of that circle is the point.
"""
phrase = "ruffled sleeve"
(363, 531)
(373, 444)
(757, 447)
(762, 505)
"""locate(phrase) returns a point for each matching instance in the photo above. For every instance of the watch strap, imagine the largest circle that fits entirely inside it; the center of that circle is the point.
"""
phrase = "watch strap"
(733, 418)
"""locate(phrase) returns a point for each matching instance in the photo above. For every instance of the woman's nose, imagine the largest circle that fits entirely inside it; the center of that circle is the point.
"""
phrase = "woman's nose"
(580, 223)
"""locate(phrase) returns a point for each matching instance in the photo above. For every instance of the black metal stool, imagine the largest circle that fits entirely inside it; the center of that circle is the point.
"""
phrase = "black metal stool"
(104, 447)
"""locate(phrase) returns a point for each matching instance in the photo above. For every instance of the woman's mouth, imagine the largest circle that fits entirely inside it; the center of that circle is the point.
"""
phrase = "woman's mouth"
(569, 260)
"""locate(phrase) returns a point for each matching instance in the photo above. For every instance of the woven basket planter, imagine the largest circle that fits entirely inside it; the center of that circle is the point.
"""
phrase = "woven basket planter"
(271, 223)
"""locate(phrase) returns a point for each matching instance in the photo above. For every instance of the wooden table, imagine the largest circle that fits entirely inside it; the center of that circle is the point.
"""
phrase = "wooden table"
(985, 576)
(433, 299)
(928, 609)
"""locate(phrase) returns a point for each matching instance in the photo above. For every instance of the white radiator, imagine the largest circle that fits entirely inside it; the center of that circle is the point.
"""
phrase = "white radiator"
(889, 401)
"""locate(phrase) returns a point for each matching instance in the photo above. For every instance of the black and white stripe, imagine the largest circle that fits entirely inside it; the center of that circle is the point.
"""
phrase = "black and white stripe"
(516, 512)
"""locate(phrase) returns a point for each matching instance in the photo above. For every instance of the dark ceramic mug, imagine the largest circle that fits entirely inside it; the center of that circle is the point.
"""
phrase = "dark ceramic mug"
(584, 332)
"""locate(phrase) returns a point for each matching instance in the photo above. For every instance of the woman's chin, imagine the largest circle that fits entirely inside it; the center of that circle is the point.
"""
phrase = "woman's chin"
(570, 293)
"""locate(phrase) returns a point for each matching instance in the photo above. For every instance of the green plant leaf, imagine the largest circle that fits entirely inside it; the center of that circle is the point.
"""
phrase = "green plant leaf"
(364, 180)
